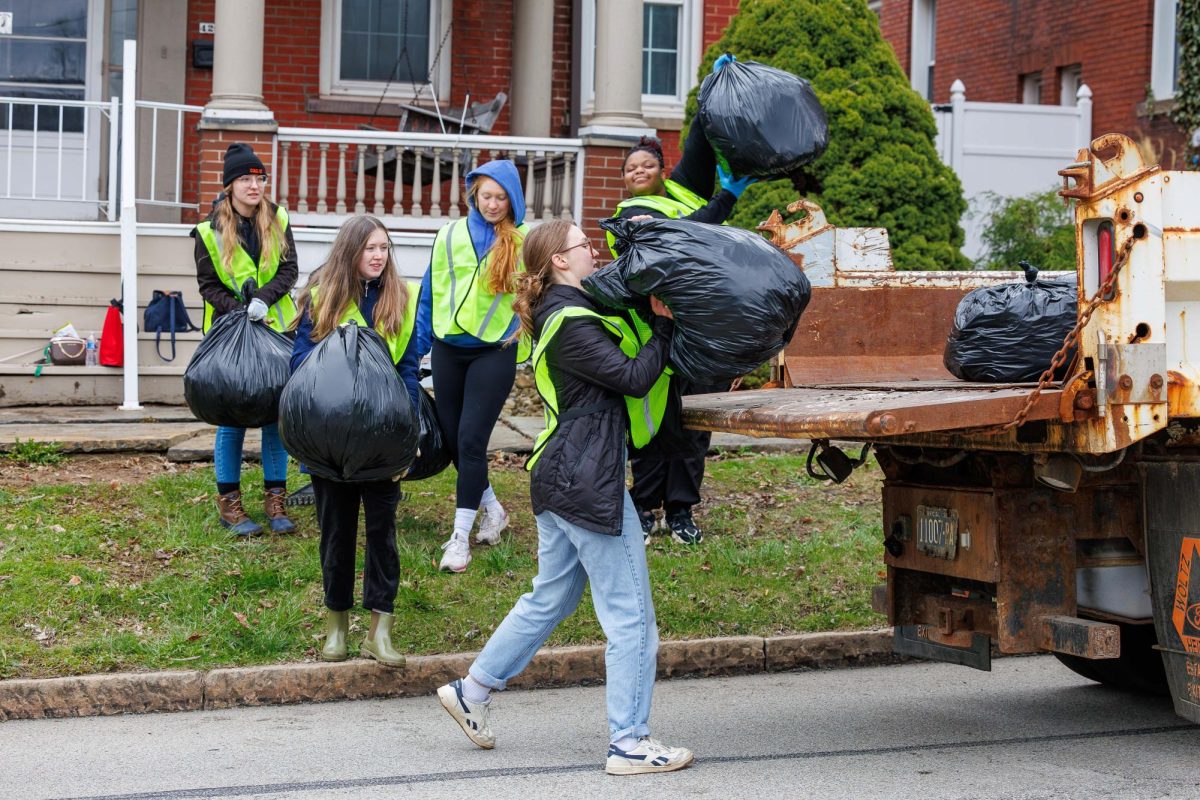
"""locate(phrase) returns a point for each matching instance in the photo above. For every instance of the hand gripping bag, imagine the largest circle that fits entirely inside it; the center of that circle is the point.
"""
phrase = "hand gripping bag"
(762, 121)
(736, 298)
(237, 373)
(1009, 333)
(345, 413)
(432, 454)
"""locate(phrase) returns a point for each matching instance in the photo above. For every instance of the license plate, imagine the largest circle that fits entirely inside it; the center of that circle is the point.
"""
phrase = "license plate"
(937, 531)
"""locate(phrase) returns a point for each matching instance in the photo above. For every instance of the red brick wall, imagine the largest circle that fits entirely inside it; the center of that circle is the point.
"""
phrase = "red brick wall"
(603, 189)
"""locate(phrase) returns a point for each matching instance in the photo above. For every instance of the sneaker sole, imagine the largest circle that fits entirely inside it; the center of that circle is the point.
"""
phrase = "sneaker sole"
(645, 769)
(682, 540)
(451, 705)
(459, 571)
(302, 500)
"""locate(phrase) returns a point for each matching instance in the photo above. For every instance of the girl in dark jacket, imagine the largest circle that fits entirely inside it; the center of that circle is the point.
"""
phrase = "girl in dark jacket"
(587, 366)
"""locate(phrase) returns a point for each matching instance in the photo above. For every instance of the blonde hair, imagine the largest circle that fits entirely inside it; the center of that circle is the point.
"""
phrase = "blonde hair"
(541, 245)
(339, 281)
(272, 242)
(503, 257)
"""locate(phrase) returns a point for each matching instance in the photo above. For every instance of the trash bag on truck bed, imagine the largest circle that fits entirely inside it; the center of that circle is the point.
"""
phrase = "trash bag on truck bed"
(736, 298)
(345, 414)
(760, 120)
(433, 455)
(238, 372)
(1009, 333)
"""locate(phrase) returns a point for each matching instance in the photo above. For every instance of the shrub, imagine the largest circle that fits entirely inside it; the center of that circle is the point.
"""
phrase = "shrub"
(881, 168)
(1036, 228)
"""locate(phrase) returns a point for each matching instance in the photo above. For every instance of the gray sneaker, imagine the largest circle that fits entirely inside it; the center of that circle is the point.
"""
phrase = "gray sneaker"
(471, 717)
(649, 756)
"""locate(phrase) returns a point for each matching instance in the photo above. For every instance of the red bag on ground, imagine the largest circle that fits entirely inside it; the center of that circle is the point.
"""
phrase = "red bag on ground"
(112, 337)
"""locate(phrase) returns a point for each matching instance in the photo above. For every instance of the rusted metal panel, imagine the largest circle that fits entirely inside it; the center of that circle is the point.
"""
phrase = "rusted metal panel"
(976, 556)
(1085, 638)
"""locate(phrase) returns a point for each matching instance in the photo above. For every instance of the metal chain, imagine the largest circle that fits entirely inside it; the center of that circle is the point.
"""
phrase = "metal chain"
(1072, 339)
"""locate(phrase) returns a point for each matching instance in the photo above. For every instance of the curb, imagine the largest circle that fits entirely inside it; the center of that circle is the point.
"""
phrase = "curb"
(359, 679)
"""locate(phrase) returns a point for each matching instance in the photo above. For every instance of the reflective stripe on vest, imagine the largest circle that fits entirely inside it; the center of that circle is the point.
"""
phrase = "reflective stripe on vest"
(280, 315)
(461, 303)
(645, 413)
(679, 201)
(397, 343)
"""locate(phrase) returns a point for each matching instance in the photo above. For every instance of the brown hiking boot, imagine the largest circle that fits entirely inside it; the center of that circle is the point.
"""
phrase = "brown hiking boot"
(234, 517)
(277, 518)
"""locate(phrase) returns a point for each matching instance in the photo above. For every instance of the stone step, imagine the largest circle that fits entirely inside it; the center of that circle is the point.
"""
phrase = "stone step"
(30, 343)
(112, 437)
(87, 385)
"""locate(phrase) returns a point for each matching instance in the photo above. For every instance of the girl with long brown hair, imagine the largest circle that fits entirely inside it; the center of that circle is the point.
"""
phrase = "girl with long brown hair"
(591, 373)
(467, 297)
(359, 282)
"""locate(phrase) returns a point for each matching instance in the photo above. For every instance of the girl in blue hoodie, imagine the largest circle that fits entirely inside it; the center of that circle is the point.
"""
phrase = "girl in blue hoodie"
(466, 298)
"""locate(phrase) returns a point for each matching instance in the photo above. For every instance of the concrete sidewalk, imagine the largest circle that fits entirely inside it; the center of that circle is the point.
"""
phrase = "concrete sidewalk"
(174, 432)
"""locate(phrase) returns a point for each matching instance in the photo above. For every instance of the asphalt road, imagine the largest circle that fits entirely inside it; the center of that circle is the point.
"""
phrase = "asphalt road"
(1028, 730)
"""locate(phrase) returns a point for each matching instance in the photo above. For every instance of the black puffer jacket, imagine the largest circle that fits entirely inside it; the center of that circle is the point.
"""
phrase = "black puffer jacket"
(580, 474)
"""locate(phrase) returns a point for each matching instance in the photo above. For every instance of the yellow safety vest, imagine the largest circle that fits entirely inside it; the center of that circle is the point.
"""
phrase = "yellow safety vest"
(679, 201)
(280, 315)
(645, 413)
(461, 303)
(397, 342)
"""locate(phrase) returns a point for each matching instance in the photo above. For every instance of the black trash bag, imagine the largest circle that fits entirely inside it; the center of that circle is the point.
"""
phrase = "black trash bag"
(762, 121)
(345, 414)
(736, 298)
(433, 455)
(1009, 333)
(237, 373)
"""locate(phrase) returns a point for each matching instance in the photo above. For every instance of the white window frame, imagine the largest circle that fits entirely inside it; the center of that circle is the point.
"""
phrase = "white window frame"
(923, 46)
(1165, 42)
(440, 16)
(875, 6)
(1031, 88)
(691, 26)
(1070, 78)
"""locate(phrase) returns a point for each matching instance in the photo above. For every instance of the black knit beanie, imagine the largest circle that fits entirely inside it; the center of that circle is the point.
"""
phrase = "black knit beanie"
(240, 160)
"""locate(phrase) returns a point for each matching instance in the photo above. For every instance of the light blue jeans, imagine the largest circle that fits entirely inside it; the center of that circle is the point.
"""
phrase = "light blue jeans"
(568, 558)
(227, 454)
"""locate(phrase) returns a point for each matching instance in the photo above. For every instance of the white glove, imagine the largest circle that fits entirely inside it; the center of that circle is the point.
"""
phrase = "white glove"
(257, 310)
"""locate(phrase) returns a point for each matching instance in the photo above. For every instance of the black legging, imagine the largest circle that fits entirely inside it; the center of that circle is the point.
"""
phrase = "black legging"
(470, 385)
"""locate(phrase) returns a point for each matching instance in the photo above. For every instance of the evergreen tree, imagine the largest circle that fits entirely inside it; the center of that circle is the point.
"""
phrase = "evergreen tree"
(881, 168)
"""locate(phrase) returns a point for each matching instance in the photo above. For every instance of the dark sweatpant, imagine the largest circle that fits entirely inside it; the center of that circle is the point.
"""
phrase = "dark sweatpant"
(337, 513)
(667, 472)
(470, 385)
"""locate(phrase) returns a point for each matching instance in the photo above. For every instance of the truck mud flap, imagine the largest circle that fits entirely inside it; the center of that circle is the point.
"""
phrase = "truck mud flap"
(908, 640)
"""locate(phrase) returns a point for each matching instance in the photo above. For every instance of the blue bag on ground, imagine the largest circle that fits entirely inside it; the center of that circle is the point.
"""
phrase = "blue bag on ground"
(432, 454)
(1009, 333)
(345, 413)
(237, 373)
(762, 121)
(736, 298)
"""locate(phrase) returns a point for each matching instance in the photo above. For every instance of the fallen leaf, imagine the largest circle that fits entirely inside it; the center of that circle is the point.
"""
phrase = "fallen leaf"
(75, 580)
(10, 526)
(193, 637)
(114, 484)
(198, 499)
(241, 618)
(58, 529)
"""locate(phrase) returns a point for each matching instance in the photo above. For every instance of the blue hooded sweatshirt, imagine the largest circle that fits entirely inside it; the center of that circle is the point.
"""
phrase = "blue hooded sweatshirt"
(483, 235)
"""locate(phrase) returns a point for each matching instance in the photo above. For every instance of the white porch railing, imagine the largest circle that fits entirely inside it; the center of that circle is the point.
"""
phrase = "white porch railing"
(164, 125)
(413, 181)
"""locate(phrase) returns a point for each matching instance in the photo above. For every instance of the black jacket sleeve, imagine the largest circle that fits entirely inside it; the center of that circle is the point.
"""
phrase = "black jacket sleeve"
(285, 277)
(697, 165)
(212, 290)
(716, 212)
(584, 350)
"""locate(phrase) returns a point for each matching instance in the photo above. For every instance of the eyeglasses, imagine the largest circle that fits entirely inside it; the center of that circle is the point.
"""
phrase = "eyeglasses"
(584, 243)
(253, 180)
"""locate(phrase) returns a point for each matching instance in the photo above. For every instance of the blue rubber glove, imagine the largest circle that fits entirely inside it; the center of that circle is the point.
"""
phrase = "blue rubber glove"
(734, 186)
(257, 310)
(726, 58)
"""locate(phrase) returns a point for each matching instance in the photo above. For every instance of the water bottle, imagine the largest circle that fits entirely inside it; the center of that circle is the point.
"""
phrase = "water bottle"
(92, 358)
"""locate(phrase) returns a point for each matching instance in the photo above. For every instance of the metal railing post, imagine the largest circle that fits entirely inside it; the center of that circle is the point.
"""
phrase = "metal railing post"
(129, 287)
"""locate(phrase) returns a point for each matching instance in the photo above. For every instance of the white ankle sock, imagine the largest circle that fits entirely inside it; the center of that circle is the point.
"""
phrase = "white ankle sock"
(491, 502)
(625, 743)
(475, 691)
(464, 520)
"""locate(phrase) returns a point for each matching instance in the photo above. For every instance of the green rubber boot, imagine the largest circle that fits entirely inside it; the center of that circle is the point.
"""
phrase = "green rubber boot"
(378, 644)
(337, 626)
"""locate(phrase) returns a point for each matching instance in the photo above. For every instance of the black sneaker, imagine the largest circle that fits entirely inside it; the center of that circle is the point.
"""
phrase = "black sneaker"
(648, 523)
(304, 496)
(683, 527)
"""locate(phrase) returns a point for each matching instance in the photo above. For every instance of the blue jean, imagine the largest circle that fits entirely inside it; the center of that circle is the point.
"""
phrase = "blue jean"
(568, 558)
(227, 454)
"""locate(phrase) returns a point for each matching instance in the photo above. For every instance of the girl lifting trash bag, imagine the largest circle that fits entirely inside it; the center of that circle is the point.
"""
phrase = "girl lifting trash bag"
(349, 414)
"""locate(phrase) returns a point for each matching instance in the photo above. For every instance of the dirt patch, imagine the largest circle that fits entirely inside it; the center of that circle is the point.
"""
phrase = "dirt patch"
(85, 469)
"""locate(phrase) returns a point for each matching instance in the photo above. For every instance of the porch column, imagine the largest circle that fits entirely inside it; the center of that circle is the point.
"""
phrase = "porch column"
(237, 96)
(533, 67)
(618, 65)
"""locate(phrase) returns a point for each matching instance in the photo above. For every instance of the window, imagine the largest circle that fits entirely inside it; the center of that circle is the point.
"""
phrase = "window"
(924, 47)
(876, 6)
(395, 47)
(1069, 80)
(670, 55)
(45, 57)
(1031, 88)
(1164, 64)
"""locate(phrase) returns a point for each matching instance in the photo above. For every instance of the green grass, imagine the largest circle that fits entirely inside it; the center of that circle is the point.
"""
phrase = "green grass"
(32, 451)
(102, 577)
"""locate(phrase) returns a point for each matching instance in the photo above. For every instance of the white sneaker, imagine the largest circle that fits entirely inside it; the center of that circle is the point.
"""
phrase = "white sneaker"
(471, 717)
(456, 556)
(648, 756)
(490, 527)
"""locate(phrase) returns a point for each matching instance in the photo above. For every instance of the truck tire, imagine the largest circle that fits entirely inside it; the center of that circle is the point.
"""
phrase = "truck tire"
(1139, 668)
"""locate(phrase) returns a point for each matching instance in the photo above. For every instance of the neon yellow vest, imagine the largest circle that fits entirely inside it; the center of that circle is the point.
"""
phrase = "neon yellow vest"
(461, 303)
(679, 201)
(280, 315)
(645, 413)
(397, 343)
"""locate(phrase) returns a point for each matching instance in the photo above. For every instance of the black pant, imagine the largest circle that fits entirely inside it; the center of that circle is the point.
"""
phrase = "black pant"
(470, 385)
(337, 512)
(668, 471)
